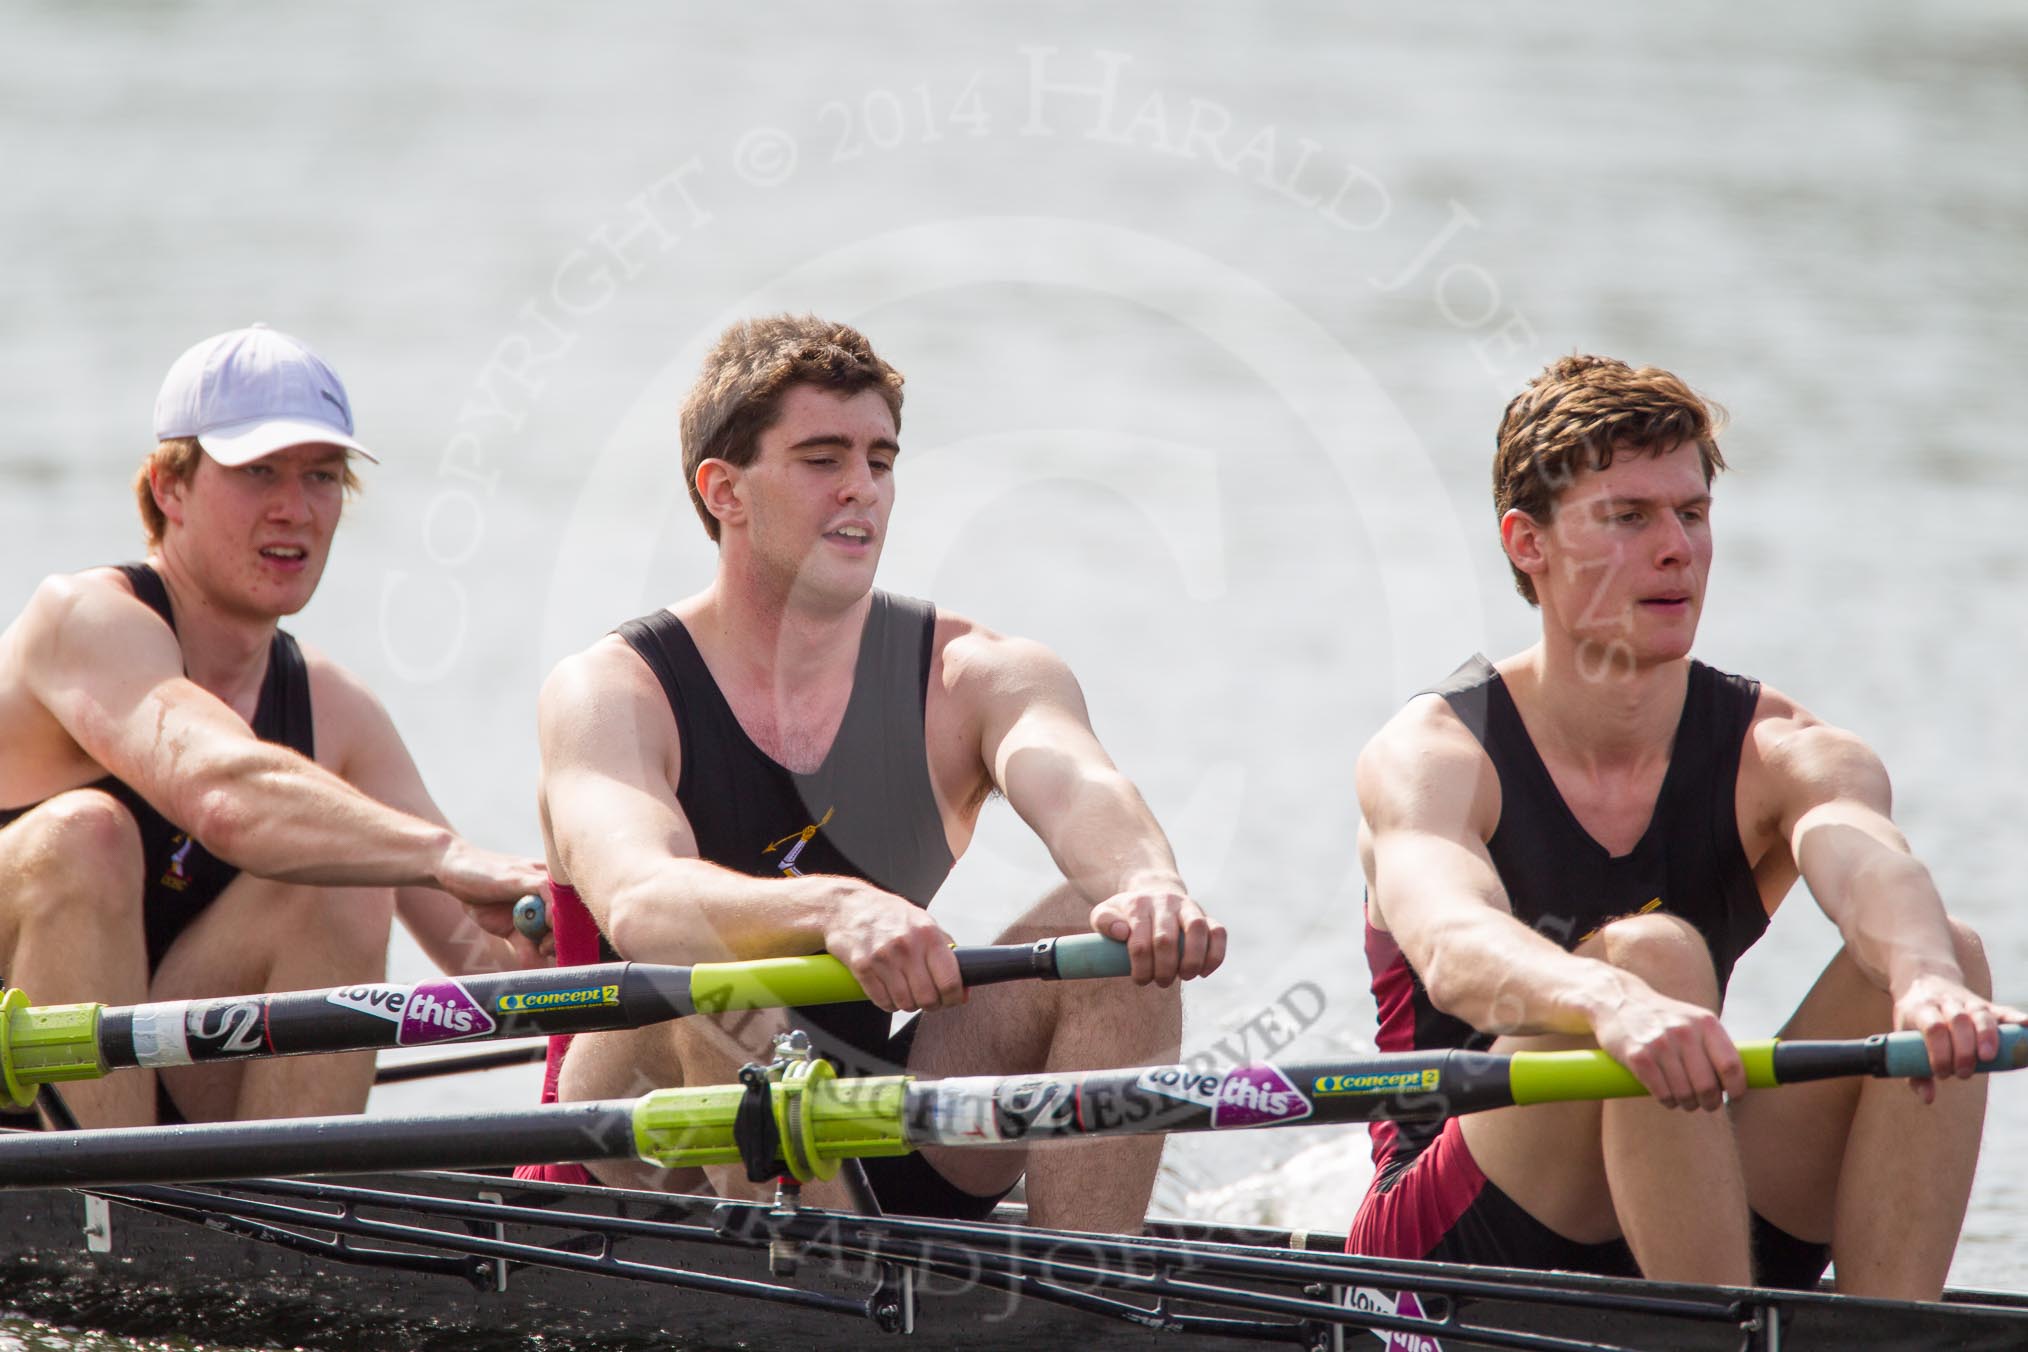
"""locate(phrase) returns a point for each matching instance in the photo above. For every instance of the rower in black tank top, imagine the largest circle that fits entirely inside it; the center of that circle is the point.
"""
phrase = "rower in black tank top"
(1563, 883)
(869, 811)
(182, 876)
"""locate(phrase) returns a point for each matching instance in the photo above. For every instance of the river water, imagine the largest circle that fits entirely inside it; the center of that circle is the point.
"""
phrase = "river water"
(1207, 325)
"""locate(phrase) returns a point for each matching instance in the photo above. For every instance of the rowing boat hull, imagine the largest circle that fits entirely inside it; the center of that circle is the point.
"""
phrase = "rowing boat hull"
(161, 1274)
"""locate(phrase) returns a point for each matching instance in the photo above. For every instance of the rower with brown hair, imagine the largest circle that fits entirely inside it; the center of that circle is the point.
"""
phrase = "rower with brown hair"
(197, 804)
(790, 761)
(1573, 846)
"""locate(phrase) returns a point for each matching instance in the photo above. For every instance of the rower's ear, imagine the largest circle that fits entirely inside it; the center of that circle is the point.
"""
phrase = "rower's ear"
(167, 488)
(719, 485)
(1521, 535)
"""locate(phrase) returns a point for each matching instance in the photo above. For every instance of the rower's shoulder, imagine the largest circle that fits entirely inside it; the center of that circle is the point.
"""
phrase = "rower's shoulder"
(80, 613)
(607, 656)
(1426, 729)
(1424, 762)
(61, 596)
(606, 675)
(1788, 745)
(972, 657)
(1781, 723)
(610, 664)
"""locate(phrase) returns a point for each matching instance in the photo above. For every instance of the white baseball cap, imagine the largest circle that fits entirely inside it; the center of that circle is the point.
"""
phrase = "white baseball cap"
(252, 392)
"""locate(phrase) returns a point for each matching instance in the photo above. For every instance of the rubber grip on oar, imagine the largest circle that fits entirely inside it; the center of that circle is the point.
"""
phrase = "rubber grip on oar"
(1081, 956)
(1084, 956)
(1906, 1054)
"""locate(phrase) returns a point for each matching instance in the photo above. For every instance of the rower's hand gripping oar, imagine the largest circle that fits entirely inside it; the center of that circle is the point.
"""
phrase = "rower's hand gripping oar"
(50, 1044)
(804, 1120)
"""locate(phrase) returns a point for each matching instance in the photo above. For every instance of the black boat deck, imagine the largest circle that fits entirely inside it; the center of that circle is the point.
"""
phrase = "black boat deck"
(564, 1269)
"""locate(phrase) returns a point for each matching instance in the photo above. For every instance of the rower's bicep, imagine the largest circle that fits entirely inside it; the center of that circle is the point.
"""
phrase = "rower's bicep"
(1425, 882)
(1837, 805)
(1031, 711)
(111, 674)
(608, 791)
(1425, 819)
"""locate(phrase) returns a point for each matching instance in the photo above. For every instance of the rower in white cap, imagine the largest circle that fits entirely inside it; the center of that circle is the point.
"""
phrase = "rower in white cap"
(191, 804)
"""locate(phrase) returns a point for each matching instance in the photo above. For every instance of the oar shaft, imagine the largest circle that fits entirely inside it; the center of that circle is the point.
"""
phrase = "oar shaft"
(379, 1014)
(315, 1145)
(58, 1043)
(809, 1121)
(1411, 1086)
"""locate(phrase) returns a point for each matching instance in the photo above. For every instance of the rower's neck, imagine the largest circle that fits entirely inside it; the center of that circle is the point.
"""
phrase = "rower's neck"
(1596, 718)
(770, 641)
(224, 651)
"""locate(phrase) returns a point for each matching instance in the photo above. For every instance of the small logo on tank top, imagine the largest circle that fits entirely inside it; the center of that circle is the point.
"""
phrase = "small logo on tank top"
(1653, 904)
(176, 879)
(797, 842)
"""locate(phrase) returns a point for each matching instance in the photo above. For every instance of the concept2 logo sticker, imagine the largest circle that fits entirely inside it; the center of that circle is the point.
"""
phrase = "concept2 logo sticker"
(529, 1001)
(1388, 1082)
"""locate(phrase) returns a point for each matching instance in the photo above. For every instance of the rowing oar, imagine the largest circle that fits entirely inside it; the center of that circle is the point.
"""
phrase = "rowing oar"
(796, 1118)
(50, 1044)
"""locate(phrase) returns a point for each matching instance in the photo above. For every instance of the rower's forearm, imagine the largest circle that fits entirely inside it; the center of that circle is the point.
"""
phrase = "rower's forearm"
(278, 816)
(1108, 842)
(1517, 984)
(686, 911)
(1894, 925)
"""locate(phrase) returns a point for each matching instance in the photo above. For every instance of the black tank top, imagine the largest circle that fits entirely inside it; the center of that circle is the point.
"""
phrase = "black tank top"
(182, 876)
(1563, 883)
(868, 811)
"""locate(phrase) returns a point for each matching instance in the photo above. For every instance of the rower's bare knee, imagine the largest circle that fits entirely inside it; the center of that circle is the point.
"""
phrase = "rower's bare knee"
(262, 934)
(93, 853)
(1663, 950)
(1062, 910)
(342, 929)
(362, 918)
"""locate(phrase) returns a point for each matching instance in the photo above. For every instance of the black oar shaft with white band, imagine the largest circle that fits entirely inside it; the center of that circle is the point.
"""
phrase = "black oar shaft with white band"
(55, 1043)
(804, 1122)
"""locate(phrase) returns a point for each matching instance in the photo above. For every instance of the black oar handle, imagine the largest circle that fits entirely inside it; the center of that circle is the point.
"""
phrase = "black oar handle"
(1070, 958)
